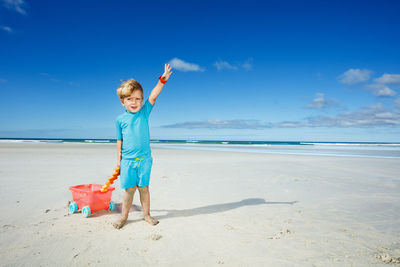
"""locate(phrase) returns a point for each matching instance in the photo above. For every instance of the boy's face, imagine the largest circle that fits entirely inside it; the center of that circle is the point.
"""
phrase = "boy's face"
(133, 103)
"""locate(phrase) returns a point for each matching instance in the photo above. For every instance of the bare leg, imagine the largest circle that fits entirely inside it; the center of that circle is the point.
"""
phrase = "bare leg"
(145, 200)
(126, 206)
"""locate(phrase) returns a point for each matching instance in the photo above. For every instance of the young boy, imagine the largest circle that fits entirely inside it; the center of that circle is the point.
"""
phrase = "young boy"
(133, 144)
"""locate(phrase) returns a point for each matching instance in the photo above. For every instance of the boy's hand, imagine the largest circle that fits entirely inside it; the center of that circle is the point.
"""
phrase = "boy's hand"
(167, 72)
(157, 90)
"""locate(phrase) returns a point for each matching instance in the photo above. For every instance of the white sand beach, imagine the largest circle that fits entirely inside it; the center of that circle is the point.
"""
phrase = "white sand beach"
(215, 209)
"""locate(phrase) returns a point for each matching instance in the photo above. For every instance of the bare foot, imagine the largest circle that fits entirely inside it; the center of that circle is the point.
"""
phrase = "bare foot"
(150, 220)
(119, 223)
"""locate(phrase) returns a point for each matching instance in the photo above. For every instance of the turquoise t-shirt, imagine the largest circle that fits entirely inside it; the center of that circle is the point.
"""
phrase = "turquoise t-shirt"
(133, 130)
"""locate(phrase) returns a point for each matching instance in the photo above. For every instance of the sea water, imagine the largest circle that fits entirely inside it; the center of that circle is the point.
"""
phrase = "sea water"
(340, 149)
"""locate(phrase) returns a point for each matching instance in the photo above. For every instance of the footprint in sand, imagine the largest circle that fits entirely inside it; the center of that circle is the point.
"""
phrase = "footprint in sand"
(8, 226)
(386, 258)
(281, 234)
(155, 237)
(389, 255)
(229, 227)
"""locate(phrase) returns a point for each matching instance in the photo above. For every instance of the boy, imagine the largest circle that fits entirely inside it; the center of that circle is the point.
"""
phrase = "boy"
(133, 144)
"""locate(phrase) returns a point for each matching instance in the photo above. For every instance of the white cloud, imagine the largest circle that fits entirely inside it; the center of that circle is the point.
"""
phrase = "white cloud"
(3, 80)
(50, 77)
(386, 91)
(318, 75)
(353, 76)
(220, 124)
(17, 5)
(370, 116)
(397, 102)
(181, 65)
(381, 90)
(388, 78)
(73, 84)
(321, 102)
(220, 65)
(248, 64)
(6, 28)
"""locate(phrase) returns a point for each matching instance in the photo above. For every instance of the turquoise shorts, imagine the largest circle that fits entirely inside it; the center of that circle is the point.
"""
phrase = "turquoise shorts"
(135, 172)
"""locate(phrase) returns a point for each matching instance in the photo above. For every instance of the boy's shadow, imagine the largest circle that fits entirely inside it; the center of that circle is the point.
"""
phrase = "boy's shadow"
(206, 209)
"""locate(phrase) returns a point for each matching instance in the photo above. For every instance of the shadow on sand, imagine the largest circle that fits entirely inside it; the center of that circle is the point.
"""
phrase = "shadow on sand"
(206, 209)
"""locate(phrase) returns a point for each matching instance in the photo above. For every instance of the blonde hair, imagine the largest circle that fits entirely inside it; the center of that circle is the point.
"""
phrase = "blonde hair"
(128, 87)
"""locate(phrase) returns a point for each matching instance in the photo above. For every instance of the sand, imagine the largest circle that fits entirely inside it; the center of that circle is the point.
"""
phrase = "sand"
(215, 209)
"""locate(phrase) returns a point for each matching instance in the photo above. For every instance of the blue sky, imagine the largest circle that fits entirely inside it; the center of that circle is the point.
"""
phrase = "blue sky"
(242, 70)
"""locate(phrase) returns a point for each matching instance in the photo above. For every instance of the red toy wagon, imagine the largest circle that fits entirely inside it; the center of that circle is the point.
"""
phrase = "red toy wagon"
(89, 198)
(92, 197)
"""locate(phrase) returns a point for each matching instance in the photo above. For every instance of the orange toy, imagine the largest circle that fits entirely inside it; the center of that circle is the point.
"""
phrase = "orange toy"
(111, 179)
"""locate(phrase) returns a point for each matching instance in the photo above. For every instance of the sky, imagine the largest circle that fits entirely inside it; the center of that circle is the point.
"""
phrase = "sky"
(242, 70)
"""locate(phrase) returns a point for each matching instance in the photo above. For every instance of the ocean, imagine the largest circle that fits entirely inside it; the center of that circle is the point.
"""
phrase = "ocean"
(338, 149)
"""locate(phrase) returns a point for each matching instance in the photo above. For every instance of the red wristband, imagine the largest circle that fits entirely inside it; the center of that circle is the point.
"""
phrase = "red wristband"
(162, 80)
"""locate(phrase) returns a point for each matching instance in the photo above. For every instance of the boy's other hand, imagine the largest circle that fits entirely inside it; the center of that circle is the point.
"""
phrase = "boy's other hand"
(167, 72)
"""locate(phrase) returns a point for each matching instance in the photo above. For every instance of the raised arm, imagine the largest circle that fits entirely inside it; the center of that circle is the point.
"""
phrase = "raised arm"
(157, 90)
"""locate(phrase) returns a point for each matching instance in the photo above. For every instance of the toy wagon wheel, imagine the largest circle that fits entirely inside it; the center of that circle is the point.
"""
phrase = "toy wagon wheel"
(111, 206)
(73, 207)
(86, 211)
